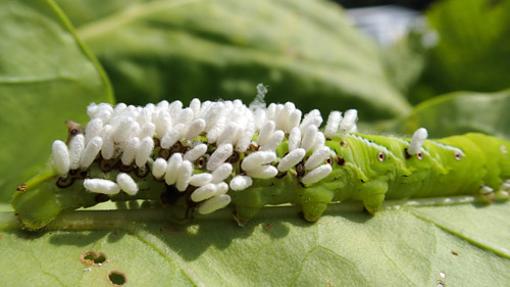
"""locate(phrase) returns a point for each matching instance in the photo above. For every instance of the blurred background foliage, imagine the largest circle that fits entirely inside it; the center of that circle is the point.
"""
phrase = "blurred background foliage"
(472, 52)
(310, 52)
(443, 65)
(305, 51)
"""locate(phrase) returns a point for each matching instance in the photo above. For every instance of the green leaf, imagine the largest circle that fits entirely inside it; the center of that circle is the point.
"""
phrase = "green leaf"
(305, 51)
(473, 52)
(461, 112)
(46, 77)
(405, 60)
(406, 246)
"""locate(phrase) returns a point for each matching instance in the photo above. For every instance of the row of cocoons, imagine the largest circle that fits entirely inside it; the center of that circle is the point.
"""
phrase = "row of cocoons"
(213, 130)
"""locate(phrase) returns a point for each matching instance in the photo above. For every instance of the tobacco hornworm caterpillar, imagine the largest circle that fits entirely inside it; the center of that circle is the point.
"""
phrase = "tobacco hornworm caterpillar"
(211, 154)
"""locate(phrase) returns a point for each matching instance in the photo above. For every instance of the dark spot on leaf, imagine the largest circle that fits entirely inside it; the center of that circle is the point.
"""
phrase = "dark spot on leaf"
(22, 187)
(455, 253)
(340, 161)
(117, 278)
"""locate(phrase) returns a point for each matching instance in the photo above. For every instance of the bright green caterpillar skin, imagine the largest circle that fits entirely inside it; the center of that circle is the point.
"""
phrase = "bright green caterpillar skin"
(372, 168)
(366, 168)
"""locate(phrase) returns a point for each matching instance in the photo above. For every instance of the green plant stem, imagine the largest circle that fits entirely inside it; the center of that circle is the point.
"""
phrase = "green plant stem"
(120, 218)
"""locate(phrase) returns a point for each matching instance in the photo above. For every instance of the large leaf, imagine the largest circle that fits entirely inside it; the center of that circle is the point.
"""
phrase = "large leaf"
(405, 59)
(461, 112)
(306, 51)
(463, 245)
(473, 52)
(46, 77)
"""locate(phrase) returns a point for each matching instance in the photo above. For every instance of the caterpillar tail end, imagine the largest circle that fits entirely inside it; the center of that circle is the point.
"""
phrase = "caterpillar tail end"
(39, 201)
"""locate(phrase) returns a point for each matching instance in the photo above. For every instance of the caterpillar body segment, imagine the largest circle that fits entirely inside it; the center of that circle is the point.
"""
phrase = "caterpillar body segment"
(215, 154)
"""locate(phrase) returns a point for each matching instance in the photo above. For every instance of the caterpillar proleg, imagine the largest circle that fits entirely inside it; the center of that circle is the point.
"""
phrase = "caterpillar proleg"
(214, 154)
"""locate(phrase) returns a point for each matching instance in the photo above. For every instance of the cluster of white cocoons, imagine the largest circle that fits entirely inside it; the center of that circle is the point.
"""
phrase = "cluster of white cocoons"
(130, 132)
(124, 182)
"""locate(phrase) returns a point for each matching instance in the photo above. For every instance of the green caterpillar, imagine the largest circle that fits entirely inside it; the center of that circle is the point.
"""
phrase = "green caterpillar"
(214, 154)
(373, 168)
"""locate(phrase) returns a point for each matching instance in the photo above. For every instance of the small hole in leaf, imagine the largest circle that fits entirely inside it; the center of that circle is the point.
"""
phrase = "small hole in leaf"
(117, 278)
(93, 258)
(100, 259)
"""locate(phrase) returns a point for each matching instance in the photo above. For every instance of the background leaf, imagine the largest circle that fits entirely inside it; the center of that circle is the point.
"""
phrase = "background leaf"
(405, 59)
(473, 51)
(306, 51)
(461, 112)
(411, 246)
(46, 77)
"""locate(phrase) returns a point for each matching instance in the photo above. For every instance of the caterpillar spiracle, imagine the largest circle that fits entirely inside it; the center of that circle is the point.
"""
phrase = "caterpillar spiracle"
(215, 154)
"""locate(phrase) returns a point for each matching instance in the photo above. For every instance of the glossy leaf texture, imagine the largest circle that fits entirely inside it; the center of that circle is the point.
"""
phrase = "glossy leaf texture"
(461, 112)
(46, 77)
(305, 51)
(473, 48)
(463, 245)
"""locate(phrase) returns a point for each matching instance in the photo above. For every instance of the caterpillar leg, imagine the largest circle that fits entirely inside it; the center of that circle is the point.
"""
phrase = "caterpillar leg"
(373, 194)
(314, 202)
(503, 194)
(243, 214)
(247, 204)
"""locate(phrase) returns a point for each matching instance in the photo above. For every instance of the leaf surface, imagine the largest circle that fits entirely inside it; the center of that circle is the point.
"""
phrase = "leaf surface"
(46, 77)
(410, 246)
(461, 112)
